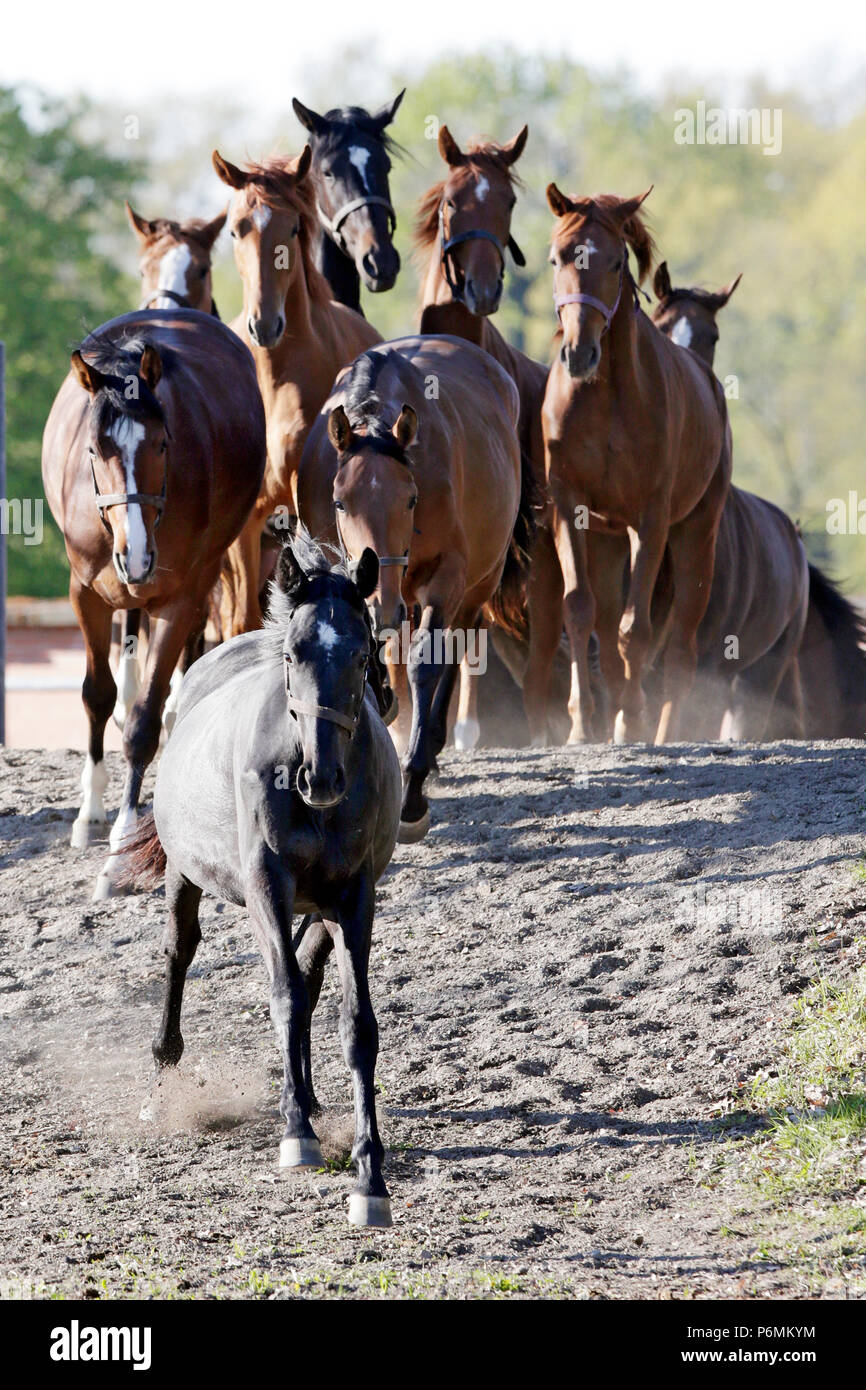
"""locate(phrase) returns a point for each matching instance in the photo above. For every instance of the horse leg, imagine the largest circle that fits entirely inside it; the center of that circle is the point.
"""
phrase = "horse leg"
(544, 601)
(467, 729)
(579, 603)
(756, 691)
(240, 610)
(635, 628)
(369, 1203)
(128, 671)
(193, 649)
(141, 732)
(607, 557)
(312, 945)
(270, 895)
(179, 945)
(693, 558)
(98, 694)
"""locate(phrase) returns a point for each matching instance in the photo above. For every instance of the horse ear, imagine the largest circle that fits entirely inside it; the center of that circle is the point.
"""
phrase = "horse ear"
(310, 120)
(511, 152)
(449, 148)
(405, 429)
(725, 294)
(139, 225)
(150, 367)
(211, 230)
(384, 117)
(662, 281)
(339, 429)
(557, 202)
(629, 206)
(289, 573)
(88, 377)
(229, 173)
(302, 165)
(367, 572)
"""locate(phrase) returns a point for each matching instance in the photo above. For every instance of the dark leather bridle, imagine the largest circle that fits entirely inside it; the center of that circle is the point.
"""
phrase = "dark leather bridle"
(314, 589)
(447, 245)
(105, 500)
(333, 224)
(181, 300)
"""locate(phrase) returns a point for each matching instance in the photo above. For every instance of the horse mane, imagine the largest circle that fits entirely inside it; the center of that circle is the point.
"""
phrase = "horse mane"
(364, 406)
(192, 229)
(273, 184)
(601, 208)
(482, 157)
(348, 118)
(709, 299)
(119, 359)
(314, 558)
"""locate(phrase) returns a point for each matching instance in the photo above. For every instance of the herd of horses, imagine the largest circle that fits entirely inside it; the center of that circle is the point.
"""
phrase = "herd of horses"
(325, 504)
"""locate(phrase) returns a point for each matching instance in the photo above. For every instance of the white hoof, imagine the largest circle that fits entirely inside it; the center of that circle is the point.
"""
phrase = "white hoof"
(83, 831)
(111, 882)
(411, 831)
(301, 1153)
(466, 734)
(619, 728)
(369, 1211)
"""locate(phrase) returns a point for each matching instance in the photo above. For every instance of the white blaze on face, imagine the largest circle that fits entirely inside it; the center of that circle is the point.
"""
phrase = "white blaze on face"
(128, 435)
(359, 156)
(681, 333)
(482, 188)
(172, 275)
(260, 217)
(328, 636)
(589, 246)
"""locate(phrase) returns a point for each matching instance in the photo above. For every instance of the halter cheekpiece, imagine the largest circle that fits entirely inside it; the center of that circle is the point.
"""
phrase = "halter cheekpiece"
(448, 243)
(333, 224)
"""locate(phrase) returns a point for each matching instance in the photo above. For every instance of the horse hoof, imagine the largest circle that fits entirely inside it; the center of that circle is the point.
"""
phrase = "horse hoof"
(301, 1153)
(466, 734)
(105, 888)
(409, 833)
(619, 734)
(369, 1211)
(83, 831)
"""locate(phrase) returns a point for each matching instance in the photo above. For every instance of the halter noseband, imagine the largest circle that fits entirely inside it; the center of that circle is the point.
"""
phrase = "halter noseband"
(314, 591)
(333, 224)
(560, 299)
(448, 243)
(105, 500)
(181, 300)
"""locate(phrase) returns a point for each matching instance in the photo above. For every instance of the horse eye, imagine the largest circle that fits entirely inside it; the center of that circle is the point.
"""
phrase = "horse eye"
(203, 273)
(413, 502)
(329, 174)
(450, 203)
(163, 446)
(294, 232)
(339, 506)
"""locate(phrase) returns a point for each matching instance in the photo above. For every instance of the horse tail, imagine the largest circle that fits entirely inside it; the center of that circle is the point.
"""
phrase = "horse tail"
(507, 607)
(143, 856)
(847, 629)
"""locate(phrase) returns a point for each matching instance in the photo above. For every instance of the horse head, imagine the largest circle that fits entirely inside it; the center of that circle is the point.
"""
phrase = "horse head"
(175, 262)
(688, 316)
(351, 168)
(375, 496)
(270, 220)
(474, 206)
(127, 452)
(589, 255)
(326, 651)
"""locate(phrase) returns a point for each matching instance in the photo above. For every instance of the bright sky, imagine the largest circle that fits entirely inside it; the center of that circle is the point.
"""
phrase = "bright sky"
(258, 50)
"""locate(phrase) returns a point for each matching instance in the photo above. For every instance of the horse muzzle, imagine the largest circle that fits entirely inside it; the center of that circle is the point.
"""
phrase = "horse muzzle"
(582, 361)
(379, 268)
(319, 790)
(266, 332)
(137, 574)
(482, 300)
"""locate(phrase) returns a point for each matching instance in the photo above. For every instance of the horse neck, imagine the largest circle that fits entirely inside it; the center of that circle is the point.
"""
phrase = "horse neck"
(619, 363)
(440, 312)
(340, 272)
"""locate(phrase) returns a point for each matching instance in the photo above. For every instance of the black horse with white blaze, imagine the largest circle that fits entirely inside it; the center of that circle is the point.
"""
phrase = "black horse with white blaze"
(350, 171)
(279, 790)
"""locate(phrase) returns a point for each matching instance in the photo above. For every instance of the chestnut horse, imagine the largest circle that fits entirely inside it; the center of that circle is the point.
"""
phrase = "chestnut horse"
(159, 424)
(636, 436)
(430, 480)
(175, 269)
(831, 662)
(462, 232)
(299, 339)
(357, 221)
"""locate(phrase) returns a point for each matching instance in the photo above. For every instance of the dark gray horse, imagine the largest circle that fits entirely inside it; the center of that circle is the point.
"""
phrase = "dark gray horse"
(279, 790)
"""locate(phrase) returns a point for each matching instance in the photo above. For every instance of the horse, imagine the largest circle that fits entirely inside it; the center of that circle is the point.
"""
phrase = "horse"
(826, 697)
(175, 269)
(298, 337)
(159, 424)
(415, 454)
(462, 234)
(279, 790)
(351, 152)
(637, 440)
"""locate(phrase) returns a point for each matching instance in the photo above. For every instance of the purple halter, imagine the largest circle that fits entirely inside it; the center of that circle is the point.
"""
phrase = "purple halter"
(590, 299)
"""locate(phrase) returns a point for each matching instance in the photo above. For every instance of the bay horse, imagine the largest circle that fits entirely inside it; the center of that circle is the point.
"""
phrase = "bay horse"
(298, 337)
(175, 269)
(279, 790)
(351, 151)
(826, 696)
(637, 437)
(463, 236)
(153, 455)
(431, 481)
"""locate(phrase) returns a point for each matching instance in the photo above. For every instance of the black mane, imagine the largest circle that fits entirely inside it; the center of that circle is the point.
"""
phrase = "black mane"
(364, 407)
(119, 359)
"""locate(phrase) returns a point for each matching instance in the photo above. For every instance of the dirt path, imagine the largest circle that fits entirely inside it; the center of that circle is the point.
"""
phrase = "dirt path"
(590, 955)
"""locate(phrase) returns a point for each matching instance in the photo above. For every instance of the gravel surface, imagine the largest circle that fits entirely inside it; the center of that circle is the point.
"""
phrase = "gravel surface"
(575, 976)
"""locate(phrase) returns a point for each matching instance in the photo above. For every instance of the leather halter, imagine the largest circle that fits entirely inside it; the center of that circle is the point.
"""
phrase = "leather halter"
(105, 500)
(448, 243)
(181, 300)
(349, 722)
(333, 224)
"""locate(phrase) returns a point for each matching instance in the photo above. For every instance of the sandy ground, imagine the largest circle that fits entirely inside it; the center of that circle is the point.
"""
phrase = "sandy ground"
(575, 976)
